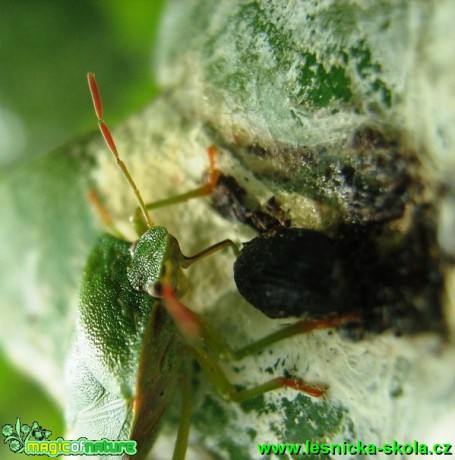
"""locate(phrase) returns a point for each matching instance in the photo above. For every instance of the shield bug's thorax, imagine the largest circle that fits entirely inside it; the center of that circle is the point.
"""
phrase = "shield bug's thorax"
(155, 252)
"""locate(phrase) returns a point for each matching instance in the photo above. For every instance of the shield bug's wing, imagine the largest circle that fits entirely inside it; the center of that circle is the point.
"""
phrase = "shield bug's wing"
(92, 411)
(291, 272)
(159, 369)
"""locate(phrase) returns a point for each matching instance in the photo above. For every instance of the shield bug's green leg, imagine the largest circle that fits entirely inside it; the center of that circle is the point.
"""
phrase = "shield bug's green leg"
(199, 192)
(181, 442)
(221, 348)
(189, 260)
(138, 220)
(205, 342)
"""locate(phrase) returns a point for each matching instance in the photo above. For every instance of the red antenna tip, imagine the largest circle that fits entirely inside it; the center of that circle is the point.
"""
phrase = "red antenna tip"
(95, 92)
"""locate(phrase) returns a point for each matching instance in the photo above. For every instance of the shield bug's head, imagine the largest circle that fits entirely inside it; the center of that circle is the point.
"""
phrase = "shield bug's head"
(156, 256)
(291, 272)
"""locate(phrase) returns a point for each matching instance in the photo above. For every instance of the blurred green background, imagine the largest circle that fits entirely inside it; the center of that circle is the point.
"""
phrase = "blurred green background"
(46, 49)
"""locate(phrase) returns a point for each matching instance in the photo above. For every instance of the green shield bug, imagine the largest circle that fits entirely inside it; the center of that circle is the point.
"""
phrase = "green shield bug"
(134, 336)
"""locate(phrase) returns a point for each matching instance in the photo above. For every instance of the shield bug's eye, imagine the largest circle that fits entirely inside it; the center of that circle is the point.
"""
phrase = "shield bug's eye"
(157, 290)
(149, 258)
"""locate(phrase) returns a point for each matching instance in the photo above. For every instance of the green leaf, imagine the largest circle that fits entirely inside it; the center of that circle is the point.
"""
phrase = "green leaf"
(47, 224)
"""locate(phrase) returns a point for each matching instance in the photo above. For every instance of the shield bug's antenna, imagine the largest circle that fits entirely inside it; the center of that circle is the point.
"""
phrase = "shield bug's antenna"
(97, 104)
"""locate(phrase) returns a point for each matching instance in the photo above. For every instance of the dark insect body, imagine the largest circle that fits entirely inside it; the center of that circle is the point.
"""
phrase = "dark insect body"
(292, 272)
(301, 273)
(134, 336)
